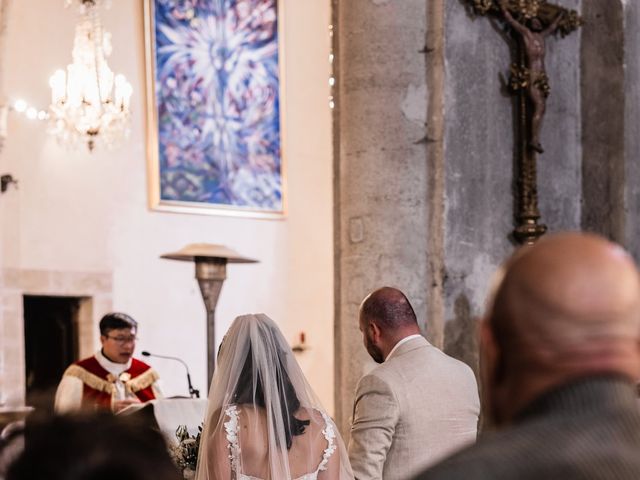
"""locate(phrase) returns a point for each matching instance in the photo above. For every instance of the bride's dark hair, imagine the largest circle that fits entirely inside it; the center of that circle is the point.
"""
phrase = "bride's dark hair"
(250, 428)
(247, 393)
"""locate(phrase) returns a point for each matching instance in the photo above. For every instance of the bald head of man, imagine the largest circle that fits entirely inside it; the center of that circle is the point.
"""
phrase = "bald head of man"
(565, 308)
(386, 317)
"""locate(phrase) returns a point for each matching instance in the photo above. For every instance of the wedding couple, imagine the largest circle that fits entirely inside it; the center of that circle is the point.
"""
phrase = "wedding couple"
(265, 423)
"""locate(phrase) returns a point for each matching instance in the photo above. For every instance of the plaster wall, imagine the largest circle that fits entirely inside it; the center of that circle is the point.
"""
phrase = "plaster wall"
(81, 212)
(4, 12)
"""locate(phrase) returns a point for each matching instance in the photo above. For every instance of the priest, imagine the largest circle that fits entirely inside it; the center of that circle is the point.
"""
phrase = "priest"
(111, 379)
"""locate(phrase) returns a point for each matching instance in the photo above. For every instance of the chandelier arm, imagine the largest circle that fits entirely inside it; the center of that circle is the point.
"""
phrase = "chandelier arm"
(98, 53)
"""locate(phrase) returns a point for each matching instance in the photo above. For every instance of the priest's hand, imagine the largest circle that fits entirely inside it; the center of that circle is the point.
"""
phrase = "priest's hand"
(120, 404)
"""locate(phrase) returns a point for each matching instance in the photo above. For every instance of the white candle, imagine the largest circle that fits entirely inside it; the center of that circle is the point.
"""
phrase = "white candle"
(127, 90)
(119, 90)
(4, 110)
(57, 83)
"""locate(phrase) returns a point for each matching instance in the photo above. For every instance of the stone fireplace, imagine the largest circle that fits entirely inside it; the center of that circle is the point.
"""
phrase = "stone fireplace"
(93, 290)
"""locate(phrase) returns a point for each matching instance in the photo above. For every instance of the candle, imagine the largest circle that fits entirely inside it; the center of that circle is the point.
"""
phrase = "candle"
(4, 110)
(57, 83)
(119, 92)
(127, 90)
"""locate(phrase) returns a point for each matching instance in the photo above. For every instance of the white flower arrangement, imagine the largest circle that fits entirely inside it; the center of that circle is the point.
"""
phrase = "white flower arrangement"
(185, 452)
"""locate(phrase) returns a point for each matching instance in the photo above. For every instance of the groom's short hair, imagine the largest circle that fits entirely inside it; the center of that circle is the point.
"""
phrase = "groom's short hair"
(389, 308)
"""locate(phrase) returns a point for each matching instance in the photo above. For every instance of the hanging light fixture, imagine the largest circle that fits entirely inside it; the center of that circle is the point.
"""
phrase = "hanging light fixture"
(89, 104)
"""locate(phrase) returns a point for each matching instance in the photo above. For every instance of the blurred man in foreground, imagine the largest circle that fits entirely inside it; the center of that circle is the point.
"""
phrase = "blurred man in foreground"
(560, 357)
(92, 447)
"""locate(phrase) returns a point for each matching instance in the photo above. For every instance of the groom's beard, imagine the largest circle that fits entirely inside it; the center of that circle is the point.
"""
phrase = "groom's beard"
(374, 351)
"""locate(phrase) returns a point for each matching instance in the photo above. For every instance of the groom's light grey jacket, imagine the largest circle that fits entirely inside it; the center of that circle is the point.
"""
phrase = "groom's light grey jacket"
(416, 408)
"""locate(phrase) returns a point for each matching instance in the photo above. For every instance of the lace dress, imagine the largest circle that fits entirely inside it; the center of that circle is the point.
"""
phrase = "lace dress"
(232, 426)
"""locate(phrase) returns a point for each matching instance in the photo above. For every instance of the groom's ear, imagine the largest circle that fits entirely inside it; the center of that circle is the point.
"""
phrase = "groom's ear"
(376, 332)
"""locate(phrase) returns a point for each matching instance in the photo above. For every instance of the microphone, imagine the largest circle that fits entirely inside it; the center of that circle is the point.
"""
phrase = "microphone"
(192, 391)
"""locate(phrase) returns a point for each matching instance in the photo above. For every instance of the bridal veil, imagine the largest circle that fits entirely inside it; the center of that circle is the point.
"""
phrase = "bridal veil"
(264, 421)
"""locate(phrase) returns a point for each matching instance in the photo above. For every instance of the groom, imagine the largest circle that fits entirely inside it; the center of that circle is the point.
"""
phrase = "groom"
(415, 408)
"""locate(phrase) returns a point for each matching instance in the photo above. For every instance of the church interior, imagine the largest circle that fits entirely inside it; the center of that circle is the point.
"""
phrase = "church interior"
(399, 166)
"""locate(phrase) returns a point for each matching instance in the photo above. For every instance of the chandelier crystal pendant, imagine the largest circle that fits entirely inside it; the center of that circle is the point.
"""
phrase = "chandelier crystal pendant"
(89, 104)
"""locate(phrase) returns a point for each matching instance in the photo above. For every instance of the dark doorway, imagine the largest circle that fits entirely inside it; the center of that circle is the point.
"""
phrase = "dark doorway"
(51, 345)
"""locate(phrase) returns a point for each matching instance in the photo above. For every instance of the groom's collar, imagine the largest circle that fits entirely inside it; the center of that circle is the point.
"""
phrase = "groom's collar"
(400, 343)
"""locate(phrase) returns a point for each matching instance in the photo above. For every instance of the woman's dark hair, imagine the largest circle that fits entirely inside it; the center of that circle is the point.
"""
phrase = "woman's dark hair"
(289, 402)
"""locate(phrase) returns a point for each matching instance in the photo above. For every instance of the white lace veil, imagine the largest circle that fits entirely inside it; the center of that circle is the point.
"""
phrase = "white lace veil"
(263, 420)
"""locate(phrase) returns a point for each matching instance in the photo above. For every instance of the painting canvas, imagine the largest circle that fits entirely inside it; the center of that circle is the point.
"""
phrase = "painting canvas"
(214, 106)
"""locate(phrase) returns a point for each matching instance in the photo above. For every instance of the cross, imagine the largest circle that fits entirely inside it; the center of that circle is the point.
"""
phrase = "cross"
(530, 22)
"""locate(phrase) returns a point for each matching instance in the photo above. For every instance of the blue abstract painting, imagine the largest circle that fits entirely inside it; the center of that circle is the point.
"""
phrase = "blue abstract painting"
(217, 95)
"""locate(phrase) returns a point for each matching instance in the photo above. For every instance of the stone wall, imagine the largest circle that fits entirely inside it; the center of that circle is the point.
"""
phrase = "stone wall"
(631, 62)
(479, 159)
(95, 290)
(602, 76)
(610, 114)
(380, 169)
(429, 208)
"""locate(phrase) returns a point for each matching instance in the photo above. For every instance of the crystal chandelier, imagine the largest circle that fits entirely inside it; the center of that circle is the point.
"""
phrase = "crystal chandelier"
(88, 103)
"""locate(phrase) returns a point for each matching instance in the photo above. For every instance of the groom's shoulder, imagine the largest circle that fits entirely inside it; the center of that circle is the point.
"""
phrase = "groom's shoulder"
(429, 357)
(417, 351)
(426, 361)
(387, 373)
(380, 377)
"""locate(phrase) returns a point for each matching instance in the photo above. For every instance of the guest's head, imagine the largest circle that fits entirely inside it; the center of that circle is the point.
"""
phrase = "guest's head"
(92, 448)
(386, 317)
(563, 309)
(118, 336)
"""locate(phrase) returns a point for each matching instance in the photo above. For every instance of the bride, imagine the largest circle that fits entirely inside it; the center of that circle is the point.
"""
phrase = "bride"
(263, 421)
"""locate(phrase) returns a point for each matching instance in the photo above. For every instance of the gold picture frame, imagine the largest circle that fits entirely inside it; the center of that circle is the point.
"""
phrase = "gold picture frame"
(174, 155)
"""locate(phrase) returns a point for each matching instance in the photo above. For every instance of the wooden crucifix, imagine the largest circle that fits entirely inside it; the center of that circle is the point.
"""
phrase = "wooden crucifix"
(529, 22)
